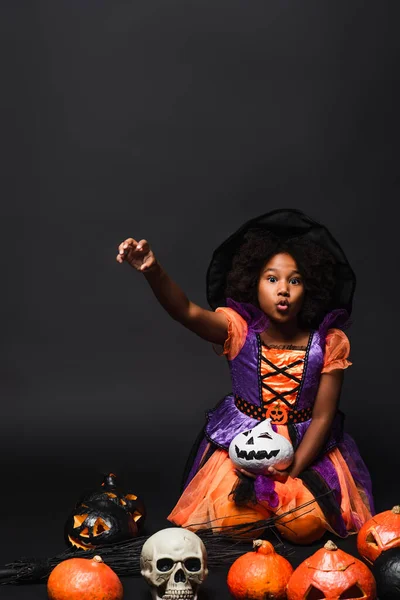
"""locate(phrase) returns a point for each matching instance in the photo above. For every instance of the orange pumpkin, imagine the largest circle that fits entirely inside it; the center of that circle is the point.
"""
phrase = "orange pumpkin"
(306, 524)
(84, 579)
(260, 574)
(303, 529)
(379, 533)
(331, 573)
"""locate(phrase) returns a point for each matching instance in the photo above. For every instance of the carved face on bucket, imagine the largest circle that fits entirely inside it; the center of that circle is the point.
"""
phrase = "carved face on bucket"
(259, 448)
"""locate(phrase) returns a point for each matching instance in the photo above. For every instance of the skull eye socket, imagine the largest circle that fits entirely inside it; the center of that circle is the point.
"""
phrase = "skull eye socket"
(192, 564)
(165, 564)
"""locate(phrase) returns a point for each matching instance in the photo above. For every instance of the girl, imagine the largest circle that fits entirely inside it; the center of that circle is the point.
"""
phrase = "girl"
(282, 291)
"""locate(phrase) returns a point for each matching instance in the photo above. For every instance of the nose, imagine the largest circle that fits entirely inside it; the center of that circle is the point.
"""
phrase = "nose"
(283, 290)
(180, 576)
(250, 441)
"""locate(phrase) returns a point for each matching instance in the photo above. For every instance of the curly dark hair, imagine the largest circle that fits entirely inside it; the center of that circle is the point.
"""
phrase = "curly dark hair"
(316, 266)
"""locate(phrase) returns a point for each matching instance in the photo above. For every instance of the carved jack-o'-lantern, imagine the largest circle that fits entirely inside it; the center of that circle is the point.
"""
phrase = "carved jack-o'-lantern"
(378, 534)
(331, 574)
(104, 516)
(259, 448)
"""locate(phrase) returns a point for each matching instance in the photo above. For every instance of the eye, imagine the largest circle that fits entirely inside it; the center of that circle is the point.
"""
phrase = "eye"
(100, 526)
(246, 433)
(192, 564)
(271, 278)
(265, 435)
(353, 592)
(295, 281)
(371, 540)
(314, 593)
(164, 564)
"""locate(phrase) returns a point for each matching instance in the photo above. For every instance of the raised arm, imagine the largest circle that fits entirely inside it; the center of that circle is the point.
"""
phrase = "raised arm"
(209, 325)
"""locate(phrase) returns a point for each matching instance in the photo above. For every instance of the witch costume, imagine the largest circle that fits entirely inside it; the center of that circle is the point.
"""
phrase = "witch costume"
(280, 383)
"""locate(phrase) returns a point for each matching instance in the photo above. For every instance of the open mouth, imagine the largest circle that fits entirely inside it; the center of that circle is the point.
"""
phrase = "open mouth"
(253, 455)
(282, 306)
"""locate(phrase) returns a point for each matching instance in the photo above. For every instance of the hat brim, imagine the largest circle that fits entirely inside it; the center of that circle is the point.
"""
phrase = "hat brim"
(286, 224)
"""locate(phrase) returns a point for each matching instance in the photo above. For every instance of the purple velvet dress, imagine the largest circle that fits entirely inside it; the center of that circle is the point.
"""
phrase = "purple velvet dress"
(227, 420)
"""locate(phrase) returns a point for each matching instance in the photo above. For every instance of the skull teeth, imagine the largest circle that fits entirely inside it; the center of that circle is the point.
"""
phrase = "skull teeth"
(178, 595)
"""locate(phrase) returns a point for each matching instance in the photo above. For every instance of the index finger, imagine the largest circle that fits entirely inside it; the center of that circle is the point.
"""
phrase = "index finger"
(126, 245)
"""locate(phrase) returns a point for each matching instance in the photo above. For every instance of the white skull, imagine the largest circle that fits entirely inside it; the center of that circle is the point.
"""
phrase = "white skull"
(173, 561)
(259, 448)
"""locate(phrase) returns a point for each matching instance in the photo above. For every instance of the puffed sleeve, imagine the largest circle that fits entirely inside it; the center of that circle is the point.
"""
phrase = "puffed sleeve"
(237, 332)
(337, 350)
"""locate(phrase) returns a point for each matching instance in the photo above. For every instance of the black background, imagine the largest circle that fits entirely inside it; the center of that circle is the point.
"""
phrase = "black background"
(177, 122)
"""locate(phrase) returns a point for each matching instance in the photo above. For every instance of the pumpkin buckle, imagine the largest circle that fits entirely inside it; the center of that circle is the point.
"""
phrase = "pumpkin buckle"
(278, 413)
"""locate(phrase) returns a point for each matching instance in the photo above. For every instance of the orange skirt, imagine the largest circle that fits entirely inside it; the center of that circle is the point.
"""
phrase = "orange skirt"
(206, 502)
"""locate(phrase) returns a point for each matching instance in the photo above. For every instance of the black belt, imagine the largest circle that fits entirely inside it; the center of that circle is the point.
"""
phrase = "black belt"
(277, 412)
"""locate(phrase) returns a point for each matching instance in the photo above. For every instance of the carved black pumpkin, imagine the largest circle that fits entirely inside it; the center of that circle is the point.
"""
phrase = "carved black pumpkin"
(104, 516)
(129, 501)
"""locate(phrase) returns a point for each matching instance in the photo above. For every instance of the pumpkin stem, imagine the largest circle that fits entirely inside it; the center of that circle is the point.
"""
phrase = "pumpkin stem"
(396, 510)
(97, 559)
(263, 547)
(330, 545)
(109, 481)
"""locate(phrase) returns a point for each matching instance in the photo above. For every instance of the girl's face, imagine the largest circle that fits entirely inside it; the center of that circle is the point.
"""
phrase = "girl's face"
(281, 288)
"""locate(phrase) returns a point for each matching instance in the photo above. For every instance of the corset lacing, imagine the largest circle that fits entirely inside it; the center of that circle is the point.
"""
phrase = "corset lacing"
(277, 408)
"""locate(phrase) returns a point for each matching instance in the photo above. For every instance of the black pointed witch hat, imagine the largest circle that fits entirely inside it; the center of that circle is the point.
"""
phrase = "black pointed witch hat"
(284, 223)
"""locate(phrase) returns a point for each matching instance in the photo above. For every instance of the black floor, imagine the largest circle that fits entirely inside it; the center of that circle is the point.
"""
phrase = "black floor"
(36, 500)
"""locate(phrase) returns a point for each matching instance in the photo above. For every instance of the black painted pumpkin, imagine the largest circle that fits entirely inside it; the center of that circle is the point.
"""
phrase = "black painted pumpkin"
(129, 501)
(104, 516)
(386, 570)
